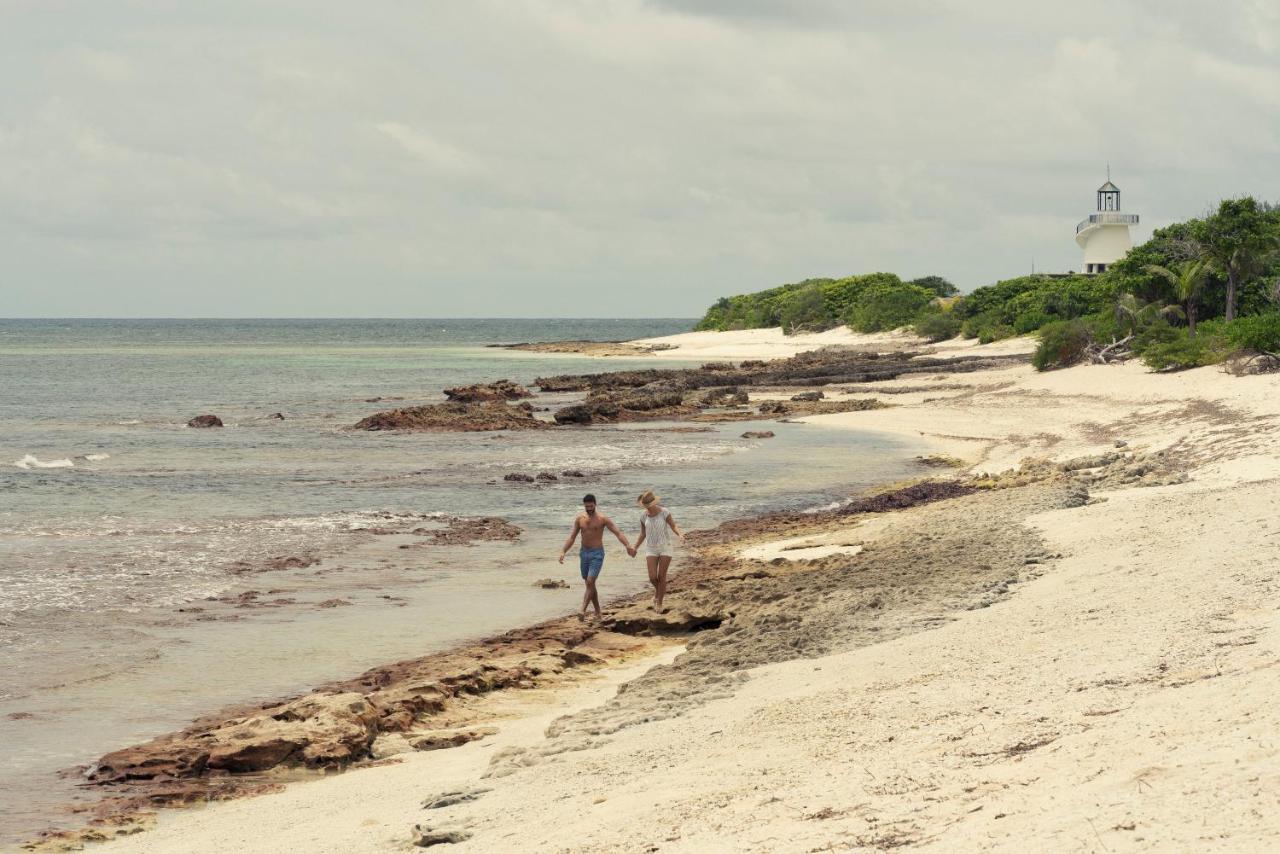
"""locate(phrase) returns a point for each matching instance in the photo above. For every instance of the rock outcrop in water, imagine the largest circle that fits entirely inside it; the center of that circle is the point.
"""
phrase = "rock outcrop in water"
(455, 417)
(607, 407)
(487, 392)
(204, 421)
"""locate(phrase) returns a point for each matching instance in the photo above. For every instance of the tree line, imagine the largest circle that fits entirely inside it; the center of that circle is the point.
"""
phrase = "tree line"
(1196, 293)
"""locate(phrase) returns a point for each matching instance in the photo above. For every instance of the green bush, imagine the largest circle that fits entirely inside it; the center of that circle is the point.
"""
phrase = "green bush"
(1025, 304)
(1062, 344)
(1167, 348)
(804, 310)
(885, 306)
(940, 286)
(1258, 332)
(934, 326)
(999, 332)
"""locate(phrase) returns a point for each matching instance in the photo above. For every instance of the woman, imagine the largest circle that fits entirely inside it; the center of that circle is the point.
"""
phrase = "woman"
(656, 530)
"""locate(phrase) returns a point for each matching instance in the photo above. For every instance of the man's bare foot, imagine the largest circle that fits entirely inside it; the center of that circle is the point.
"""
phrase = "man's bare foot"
(582, 615)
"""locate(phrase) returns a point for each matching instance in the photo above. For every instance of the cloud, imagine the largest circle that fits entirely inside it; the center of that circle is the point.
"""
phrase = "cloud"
(544, 157)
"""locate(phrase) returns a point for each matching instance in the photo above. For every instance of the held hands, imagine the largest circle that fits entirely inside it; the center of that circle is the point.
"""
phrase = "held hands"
(631, 552)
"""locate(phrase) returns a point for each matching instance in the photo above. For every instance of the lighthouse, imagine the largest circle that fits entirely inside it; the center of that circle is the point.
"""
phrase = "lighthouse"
(1104, 236)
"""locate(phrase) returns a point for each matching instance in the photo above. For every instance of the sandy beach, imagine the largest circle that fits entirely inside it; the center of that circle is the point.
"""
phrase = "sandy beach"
(1074, 649)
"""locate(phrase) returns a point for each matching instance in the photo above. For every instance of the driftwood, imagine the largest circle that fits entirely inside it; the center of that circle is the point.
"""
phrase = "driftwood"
(1249, 362)
(1105, 354)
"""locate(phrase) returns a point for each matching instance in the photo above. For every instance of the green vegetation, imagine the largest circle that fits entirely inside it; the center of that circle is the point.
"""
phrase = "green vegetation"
(869, 303)
(937, 325)
(1197, 293)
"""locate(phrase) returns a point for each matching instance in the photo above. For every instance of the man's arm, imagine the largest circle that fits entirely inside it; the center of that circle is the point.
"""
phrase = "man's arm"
(573, 535)
(622, 538)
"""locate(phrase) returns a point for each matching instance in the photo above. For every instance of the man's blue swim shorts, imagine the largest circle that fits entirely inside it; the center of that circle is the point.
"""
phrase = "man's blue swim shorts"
(590, 561)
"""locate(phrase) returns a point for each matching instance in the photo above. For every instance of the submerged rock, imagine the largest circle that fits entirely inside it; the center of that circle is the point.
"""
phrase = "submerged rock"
(205, 421)
(517, 477)
(758, 434)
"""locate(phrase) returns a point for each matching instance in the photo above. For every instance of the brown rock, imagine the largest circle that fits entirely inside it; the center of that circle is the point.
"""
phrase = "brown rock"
(551, 584)
(333, 603)
(758, 434)
(454, 417)
(451, 738)
(633, 405)
(808, 395)
(205, 421)
(517, 477)
(547, 477)
(498, 390)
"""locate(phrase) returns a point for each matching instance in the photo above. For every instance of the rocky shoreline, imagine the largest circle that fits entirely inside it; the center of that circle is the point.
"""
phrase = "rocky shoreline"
(730, 612)
(429, 703)
(715, 391)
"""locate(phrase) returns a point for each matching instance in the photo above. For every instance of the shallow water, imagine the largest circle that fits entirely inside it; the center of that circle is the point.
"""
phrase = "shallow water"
(116, 521)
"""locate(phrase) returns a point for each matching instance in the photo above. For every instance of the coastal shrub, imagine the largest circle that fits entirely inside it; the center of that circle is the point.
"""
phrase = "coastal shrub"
(804, 310)
(940, 286)
(1023, 305)
(1163, 347)
(998, 332)
(1062, 344)
(1258, 332)
(934, 326)
(886, 306)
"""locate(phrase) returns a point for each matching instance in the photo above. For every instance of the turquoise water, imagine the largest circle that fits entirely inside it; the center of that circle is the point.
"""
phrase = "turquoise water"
(117, 522)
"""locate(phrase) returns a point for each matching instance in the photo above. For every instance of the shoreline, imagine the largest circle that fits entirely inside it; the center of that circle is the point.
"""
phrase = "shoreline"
(1001, 504)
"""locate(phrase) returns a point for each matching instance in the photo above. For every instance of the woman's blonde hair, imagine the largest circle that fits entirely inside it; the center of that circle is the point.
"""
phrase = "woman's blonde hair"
(647, 497)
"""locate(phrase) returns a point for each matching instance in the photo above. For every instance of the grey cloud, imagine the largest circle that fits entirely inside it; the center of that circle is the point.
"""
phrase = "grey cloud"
(546, 156)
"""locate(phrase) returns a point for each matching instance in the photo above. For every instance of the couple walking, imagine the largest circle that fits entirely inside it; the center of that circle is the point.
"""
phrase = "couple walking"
(658, 533)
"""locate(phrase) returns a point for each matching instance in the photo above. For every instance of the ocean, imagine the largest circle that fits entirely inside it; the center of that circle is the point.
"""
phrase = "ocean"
(151, 573)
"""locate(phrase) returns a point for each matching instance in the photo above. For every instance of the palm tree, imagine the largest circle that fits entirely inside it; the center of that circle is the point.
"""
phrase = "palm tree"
(1187, 279)
(1238, 242)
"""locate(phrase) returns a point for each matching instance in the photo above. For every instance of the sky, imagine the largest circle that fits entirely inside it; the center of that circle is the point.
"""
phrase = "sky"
(273, 158)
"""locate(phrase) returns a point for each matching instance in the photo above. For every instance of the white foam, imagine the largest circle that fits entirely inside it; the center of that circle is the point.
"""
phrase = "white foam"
(30, 462)
(93, 458)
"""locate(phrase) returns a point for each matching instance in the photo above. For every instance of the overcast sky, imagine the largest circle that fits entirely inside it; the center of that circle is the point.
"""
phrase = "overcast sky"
(573, 158)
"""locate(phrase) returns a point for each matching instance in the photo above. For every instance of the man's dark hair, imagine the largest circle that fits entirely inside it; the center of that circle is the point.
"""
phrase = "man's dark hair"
(588, 499)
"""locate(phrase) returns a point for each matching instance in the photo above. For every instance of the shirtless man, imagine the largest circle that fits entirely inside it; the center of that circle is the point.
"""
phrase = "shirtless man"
(592, 526)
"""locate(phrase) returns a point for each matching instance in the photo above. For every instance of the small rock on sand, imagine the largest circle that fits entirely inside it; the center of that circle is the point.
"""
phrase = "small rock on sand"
(551, 584)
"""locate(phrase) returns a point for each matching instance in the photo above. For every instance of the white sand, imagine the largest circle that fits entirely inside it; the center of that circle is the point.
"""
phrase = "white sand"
(770, 343)
(773, 344)
(1123, 701)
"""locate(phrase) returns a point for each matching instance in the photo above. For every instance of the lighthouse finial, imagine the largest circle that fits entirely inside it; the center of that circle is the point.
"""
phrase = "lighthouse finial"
(1108, 170)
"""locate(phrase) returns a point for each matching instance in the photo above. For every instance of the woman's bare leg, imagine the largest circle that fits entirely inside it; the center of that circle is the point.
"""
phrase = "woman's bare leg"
(652, 562)
(664, 563)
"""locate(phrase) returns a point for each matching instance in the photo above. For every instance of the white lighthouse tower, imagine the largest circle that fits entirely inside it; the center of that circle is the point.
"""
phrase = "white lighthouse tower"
(1104, 236)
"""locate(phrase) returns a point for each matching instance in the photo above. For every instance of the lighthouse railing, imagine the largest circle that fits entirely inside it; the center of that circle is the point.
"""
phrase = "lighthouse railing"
(1107, 219)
